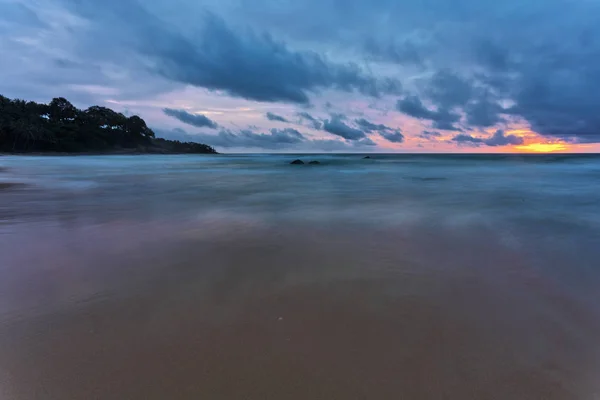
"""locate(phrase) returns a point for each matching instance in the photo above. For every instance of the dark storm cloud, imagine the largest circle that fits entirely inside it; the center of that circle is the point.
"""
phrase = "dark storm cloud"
(312, 121)
(390, 134)
(447, 89)
(446, 123)
(336, 126)
(287, 135)
(412, 105)
(246, 138)
(553, 79)
(483, 113)
(405, 52)
(430, 135)
(467, 139)
(306, 115)
(366, 142)
(369, 127)
(394, 137)
(197, 120)
(501, 139)
(498, 139)
(442, 118)
(258, 67)
(565, 107)
(453, 94)
(274, 117)
(535, 62)
(546, 61)
(492, 56)
(542, 55)
(240, 62)
(276, 140)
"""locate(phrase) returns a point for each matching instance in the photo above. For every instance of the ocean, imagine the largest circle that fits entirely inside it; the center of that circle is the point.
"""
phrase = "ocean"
(400, 276)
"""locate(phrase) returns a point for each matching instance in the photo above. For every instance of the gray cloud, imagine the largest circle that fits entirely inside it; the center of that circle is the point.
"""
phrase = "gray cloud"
(312, 121)
(274, 117)
(287, 135)
(259, 67)
(484, 113)
(246, 138)
(336, 126)
(366, 142)
(467, 139)
(276, 140)
(446, 89)
(390, 134)
(536, 62)
(430, 135)
(404, 52)
(197, 120)
(445, 124)
(240, 62)
(412, 105)
(369, 127)
(543, 56)
(452, 94)
(499, 138)
(441, 118)
(304, 114)
(394, 137)
(559, 108)
(553, 80)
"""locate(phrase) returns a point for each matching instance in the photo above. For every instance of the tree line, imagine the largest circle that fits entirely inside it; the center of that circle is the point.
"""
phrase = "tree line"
(27, 126)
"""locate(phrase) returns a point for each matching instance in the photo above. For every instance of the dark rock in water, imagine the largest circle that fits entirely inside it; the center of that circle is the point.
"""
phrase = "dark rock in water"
(314, 163)
(297, 162)
(367, 158)
(11, 185)
(425, 179)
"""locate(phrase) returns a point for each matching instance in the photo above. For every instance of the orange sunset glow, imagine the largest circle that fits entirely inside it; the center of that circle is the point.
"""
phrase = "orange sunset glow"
(533, 143)
(542, 147)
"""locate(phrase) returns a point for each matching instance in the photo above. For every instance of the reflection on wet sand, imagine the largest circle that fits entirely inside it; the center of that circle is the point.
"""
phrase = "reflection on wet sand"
(247, 311)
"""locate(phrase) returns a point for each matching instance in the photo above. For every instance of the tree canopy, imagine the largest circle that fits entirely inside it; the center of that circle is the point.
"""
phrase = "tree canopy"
(27, 126)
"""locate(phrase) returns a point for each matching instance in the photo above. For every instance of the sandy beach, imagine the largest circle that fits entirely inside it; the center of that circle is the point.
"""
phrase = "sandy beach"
(100, 300)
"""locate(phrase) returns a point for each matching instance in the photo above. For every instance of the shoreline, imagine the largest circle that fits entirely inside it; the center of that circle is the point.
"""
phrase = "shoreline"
(134, 152)
(101, 153)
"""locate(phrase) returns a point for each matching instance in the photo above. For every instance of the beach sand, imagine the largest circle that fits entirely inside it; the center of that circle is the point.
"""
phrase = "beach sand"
(169, 311)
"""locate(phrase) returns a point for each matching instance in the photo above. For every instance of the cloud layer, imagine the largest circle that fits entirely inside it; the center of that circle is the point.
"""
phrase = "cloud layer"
(336, 126)
(497, 139)
(276, 140)
(274, 117)
(433, 73)
(197, 120)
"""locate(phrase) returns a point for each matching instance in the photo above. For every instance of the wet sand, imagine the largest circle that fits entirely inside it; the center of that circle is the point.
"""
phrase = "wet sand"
(238, 310)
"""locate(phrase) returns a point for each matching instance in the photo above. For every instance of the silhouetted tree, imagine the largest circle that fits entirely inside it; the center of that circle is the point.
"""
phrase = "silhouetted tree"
(137, 126)
(60, 126)
(60, 110)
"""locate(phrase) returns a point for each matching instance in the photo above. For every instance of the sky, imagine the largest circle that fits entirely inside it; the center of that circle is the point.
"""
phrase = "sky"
(320, 75)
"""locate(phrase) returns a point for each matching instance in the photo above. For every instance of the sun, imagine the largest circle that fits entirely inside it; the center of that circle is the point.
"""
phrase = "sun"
(542, 147)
